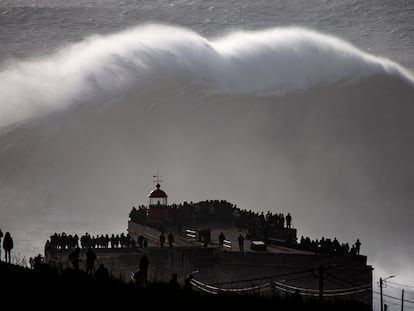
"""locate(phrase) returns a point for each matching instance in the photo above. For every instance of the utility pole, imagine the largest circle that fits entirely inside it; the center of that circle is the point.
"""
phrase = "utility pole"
(402, 300)
(321, 276)
(381, 285)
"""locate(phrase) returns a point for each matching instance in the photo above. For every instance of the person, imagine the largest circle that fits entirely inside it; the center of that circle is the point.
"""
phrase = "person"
(90, 261)
(221, 239)
(143, 266)
(140, 241)
(357, 246)
(162, 239)
(353, 252)
(288, 221)
(1, 236)
(31, 262)
(145, 243)
(170, 239)
(74, 258)
(102, 273)
(241, 242)
(7, 246)
(37, 262)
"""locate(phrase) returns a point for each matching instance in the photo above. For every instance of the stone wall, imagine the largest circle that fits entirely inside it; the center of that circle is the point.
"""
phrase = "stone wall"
(212, 265)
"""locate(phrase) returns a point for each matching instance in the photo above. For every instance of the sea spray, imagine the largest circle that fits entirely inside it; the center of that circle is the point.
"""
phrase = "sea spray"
(271, 62)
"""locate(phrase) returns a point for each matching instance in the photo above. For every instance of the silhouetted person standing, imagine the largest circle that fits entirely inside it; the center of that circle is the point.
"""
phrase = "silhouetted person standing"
(171, 239)
(222, 237)
(74, 258)
(241, 242)
(162, 239)
(353, 250)
(90, 261)
(288, 221)
(357, 246)
(1, 236)
(143, 266)
(102, 273)
(7, 246)
(38, 261)
(140, 241)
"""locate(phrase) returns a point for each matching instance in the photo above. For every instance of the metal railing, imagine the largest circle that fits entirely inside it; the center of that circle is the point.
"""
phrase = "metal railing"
(227, 244)
(191, 234)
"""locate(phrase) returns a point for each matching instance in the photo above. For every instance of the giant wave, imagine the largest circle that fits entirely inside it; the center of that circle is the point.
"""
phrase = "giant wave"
(263, 63)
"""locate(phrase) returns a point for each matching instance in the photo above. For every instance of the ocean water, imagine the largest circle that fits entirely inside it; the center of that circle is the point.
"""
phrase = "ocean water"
(289, 106)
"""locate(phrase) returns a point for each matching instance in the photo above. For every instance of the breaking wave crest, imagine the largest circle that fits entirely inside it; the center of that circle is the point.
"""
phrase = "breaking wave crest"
(271, 62)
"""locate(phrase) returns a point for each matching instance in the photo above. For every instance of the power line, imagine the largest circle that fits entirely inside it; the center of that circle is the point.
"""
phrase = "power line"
(215, 290)
(297, 278)
(282, 287)
(342, 280)
(410, 286)
(393, 297)
(397, 288)
(291, 290)
(393, 303)
(301, 289)
(264, 277)
(327, 291)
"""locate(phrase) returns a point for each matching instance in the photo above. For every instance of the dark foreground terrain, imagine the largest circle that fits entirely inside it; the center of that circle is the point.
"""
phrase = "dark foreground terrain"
(48, 289)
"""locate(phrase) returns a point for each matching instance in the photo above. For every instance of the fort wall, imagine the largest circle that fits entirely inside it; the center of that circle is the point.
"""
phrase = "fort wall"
(214, 266)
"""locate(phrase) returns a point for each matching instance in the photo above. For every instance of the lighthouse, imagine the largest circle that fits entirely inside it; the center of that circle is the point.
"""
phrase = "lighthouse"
(157, 203)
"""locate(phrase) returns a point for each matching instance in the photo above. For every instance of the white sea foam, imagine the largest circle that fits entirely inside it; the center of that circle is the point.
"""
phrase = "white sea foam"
(272, 62)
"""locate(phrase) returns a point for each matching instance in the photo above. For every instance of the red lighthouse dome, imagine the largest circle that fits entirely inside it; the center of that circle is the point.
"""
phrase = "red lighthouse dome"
(157, 196)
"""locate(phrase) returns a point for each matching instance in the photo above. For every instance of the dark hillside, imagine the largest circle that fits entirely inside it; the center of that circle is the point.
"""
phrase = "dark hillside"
(49, 289)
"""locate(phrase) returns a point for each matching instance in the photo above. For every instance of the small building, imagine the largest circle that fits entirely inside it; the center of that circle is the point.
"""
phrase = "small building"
(157, 204)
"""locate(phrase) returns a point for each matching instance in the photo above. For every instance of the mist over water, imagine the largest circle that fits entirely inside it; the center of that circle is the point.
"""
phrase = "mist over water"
(283, 119)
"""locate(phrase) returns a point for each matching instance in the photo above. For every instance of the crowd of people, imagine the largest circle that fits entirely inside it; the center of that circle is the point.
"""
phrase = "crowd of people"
(75, 259)
(102, 273)
(216, 211)
(258, 225)
(68, 241)
(190, 213)
(170, 238)
(63, 241)
(329, 246)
